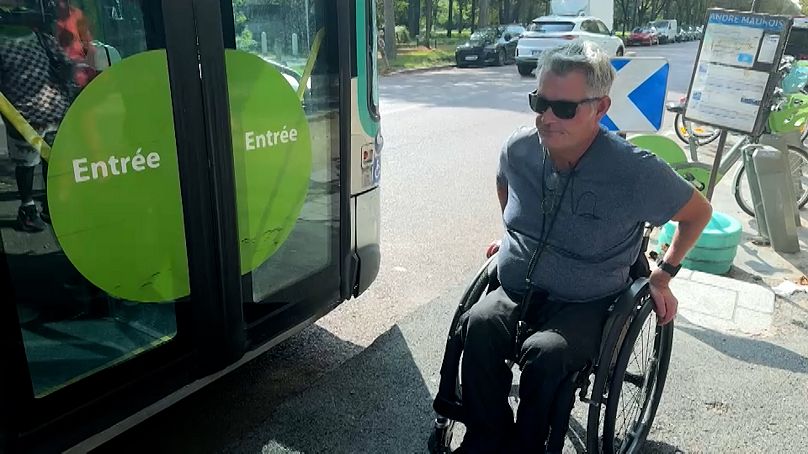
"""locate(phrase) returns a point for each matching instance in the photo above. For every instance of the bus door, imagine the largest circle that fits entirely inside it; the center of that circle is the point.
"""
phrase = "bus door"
(119, 241)
(287, 88)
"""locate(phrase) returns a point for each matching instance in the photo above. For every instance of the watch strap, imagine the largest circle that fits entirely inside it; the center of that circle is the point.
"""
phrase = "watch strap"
(668, 268)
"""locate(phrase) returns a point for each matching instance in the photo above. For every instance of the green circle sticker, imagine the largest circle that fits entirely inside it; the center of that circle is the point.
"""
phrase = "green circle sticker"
(113, 182)
(271, 153)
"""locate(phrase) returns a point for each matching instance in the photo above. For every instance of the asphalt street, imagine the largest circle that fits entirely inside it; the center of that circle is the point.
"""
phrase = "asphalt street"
(362, 378)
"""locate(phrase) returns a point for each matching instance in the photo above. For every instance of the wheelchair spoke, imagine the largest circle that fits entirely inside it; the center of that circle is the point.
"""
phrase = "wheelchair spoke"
(631, 398)
(642, 366)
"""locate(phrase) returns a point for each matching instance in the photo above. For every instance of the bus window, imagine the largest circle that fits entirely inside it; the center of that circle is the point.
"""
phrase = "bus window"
(65, 243)
(373, 62)
(299, 41)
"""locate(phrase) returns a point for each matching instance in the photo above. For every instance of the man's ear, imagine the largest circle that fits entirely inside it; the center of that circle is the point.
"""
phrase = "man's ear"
(602, 107)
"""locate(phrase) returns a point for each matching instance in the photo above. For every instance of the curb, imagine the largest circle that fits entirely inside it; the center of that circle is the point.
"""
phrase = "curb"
(418, 70)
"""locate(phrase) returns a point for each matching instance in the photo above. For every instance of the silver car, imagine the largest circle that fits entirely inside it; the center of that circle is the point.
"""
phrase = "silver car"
(550, 31)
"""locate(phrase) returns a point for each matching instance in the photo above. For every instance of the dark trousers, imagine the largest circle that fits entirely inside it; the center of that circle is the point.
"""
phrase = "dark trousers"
(567, 336)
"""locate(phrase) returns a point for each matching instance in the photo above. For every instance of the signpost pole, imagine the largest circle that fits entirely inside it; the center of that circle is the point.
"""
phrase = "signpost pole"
(722, 141)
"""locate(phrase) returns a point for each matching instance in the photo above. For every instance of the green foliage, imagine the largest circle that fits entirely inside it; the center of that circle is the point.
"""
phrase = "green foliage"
(244, 37)
(402, 34)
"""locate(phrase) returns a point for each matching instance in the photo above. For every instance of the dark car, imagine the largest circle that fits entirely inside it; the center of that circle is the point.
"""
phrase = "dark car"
(494, 45)
(645, 35)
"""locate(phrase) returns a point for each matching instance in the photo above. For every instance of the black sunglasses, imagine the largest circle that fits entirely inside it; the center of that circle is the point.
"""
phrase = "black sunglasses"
(564, 110)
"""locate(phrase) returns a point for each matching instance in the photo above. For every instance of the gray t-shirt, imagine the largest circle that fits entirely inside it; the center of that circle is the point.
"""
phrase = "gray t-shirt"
(614, 189)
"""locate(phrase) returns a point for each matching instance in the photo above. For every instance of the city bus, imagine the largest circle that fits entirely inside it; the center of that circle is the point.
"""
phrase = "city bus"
(204, 184)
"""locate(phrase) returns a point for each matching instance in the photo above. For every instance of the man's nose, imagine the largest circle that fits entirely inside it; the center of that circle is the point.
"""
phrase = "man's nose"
(548, 117)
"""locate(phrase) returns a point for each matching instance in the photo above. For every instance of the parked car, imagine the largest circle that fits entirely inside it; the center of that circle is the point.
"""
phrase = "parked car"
(667, 29)
(684, 34)
(550, 31)
(643, 35)
(490, 45)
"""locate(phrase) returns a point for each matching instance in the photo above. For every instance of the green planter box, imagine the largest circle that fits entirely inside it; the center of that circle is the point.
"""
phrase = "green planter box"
(716, 247)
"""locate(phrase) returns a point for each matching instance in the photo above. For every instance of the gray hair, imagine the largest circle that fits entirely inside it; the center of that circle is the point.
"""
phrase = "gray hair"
(584, 56)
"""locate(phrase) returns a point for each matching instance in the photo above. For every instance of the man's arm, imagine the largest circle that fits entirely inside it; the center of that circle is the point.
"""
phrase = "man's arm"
(692, 219)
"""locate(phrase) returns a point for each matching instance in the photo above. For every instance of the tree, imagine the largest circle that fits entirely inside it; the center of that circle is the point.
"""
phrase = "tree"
(389, 30)
(484, 15)
(244, 37)
(414, 23)
(428, 6)
(449, 23)
(804, 7)
(460, 21)
(472, 24)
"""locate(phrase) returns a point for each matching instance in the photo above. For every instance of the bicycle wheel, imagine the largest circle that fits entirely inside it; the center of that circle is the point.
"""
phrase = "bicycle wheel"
(704, 134)
(798, 160)
(637, 383)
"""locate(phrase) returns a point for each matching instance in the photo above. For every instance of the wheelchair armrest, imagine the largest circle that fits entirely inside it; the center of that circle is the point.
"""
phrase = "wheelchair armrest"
(627, 301)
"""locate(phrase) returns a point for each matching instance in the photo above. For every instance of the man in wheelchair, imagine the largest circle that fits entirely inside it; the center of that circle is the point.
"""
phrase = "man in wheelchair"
(574, 200)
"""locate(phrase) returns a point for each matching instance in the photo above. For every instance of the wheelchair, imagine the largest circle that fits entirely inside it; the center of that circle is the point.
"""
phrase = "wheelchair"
(627, 377)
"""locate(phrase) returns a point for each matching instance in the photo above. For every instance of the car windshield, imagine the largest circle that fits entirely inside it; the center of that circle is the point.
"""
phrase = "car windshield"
(550, 27)
(484, 34)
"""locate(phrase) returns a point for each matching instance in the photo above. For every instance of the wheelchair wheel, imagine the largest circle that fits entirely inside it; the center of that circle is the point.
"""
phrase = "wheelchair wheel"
(447, 404)
(635, 385)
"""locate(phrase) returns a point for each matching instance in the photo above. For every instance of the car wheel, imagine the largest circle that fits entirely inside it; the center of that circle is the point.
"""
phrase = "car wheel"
(524, 70)
(620, 52)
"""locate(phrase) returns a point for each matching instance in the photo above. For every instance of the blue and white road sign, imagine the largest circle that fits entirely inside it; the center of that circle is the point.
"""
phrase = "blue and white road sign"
(638, 95)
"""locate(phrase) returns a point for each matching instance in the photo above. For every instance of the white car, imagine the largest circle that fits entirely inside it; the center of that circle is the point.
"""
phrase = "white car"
(551, 31)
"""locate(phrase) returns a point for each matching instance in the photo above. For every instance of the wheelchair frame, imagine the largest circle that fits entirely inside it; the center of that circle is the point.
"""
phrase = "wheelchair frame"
(628, 315)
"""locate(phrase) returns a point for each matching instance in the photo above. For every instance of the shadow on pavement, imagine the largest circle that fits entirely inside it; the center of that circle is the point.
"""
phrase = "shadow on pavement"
(242, 404)
(576, 437)
(654, 447)
(377, 402)
(752, 351)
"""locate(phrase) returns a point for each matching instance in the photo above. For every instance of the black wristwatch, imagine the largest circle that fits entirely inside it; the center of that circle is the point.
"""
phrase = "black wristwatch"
(667, 267)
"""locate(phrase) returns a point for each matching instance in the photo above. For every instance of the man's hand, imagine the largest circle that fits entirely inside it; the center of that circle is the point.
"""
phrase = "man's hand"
(492, 248)
(665, 304)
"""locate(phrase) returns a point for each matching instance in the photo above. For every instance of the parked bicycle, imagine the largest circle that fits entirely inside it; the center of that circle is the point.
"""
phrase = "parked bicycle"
(795, 82)
(788, 119)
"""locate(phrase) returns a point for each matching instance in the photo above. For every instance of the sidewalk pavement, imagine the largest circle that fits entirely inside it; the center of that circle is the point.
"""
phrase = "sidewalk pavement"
(723, 304)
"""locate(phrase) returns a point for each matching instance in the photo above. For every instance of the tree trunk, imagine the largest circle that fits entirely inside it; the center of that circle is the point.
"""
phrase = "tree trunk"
(473, 22)
(389, 30)
(414, 23)
(522, 12)
(655, 12)
(449, 22)
(435, 8)
(506, 12)
(460, 21)
(428, 13)
(484, 14)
